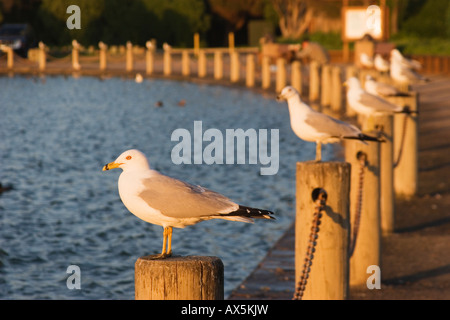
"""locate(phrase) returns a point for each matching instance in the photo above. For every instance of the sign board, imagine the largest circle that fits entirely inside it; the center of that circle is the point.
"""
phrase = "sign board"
(359, 21)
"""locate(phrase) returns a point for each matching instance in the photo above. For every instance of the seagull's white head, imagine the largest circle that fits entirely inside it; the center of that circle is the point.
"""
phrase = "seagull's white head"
(395, 54)
(129, 160)
(287, 93)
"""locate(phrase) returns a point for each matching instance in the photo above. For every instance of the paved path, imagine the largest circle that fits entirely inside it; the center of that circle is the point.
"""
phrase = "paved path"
(416, 258)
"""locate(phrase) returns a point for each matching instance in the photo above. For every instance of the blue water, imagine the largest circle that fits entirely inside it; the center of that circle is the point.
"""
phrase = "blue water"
(57, 133)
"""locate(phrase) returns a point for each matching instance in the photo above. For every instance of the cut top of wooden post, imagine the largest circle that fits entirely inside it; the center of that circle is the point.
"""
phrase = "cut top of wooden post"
(179, 278)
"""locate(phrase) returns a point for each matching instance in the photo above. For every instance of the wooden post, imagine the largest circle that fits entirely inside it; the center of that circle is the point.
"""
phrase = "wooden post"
(234, 66)
(102, 55)
(218, 65)
(9, 57)
(406, 172)
(129, 57)
(185, 63)
(325, 90)
(201, 64)
(366, 234)
(385, 125)
(296, 76)
(314, 81)
(167, 61)
(265, 72)
(250, 70)
(350, 72)
(328, 277)
(196, 43)
(149, 59)
(75, 55)
(42, 56)
(281, 75)
(336, 90)
(179, 278)
(231, 42)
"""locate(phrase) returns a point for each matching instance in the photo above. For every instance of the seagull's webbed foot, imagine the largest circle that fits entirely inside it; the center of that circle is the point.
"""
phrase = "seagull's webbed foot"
(161, 256)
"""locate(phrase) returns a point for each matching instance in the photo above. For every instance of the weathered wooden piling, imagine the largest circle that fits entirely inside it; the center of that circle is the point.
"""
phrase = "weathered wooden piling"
(179, 278)
(250, 70)
(201, 64)
(149, 58)
(102, 55)
(328, 276)
(234, 66)
(265, 72)
(385, 125)
(296, 76)
(42, 56)
(167, 61)
(76, 55)
(364, 208)
(280, 81)
(314, 81)
(129, 56)
(325, 90)
(218, 65)
(196, 43)
(185, 63)
(406, 158)
(9, 57)
(336, 89)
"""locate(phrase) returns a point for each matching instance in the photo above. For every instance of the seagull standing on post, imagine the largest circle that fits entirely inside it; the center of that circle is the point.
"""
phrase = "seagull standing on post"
(313, 126)
(171, 203)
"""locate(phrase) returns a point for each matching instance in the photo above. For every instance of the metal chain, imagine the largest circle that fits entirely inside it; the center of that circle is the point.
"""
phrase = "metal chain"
(400, 152)
(362, 157)
(320, 206)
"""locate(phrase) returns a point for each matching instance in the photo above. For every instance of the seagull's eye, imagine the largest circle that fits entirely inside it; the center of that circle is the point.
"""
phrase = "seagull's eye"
(128, 158)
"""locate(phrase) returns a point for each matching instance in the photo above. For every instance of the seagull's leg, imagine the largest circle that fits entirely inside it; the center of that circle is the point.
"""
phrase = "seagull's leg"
(318, 151)
(169, 248)
(164, 242)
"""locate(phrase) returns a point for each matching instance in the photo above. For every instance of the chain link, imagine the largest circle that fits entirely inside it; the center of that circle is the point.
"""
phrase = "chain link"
(320, 206)
(362, 157)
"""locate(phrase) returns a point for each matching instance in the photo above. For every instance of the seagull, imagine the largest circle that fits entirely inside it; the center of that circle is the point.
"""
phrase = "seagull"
(381, 89)
(380, 64)
(408, 63)
(404, 74)
(139, 78)
(171, 203)
(313, 126)
(368, 104)
(365, 60)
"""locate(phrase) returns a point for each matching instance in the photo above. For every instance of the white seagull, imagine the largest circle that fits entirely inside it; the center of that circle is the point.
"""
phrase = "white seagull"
(381, 89)
(171, 203)
(368, 104)
(407, 63)
(365, 60)
(404, 74)
(380, 64)
(313, 126)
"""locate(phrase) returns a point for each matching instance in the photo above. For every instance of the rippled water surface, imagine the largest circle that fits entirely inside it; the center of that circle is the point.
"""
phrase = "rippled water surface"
(57, 133)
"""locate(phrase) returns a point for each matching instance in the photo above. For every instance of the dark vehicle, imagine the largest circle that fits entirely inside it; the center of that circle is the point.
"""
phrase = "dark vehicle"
(17, 36)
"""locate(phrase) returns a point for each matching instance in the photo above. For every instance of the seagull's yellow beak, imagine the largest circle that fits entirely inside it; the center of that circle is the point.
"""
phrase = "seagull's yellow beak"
(345, 84)
(111, 165)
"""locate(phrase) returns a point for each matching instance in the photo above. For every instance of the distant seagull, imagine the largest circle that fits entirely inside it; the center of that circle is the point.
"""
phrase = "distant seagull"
(313, 126)
(408, 63)
(139, 78)
(382, 89)
(159, 104)
(172, 203)
(365, 60)
(368, 104)
(166, 46)
(402, 74)
(381, 64)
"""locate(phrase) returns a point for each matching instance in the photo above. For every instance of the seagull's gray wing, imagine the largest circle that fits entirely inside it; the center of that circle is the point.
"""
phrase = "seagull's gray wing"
(178, 199)
(330, 126)
(377, 103)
